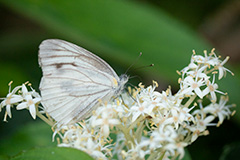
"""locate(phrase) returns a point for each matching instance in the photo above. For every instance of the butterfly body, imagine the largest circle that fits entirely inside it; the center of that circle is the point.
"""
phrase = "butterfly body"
(74, 80)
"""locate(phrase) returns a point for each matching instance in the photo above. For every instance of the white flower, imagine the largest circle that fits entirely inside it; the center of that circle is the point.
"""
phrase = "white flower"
(164, 134)
(219, 109)
(141, 109)
(191, 66)
(82, 138)
(176, 148)
(168, 100)
(92, 149)
(150, 143)
(10, 100)
(212, 88)
(29, 102)
(198, 58)
(198, 72)
(179, 115)
(190, 84)
(136, 152)
(207, 60)
(200, 126)
(222, 70)
(107, 118)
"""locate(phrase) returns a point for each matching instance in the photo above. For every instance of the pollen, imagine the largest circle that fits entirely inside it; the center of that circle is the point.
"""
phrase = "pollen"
(118, 102)
(194, 85)
(30, 102)
(8, 100)
(100, 101)
(155, 83)
(10, 83)
(115, 82)
(211, 88)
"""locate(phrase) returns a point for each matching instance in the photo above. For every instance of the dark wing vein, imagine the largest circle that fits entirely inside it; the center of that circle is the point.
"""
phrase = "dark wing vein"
(84, 95)
(78, 70)
(81, 51)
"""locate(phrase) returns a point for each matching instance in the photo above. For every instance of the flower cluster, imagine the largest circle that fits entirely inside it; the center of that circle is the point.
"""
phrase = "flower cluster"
(22, 99)
(145, 123)
(199, 76)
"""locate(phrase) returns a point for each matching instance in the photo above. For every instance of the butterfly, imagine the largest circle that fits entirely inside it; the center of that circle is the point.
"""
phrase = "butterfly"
(74, 80)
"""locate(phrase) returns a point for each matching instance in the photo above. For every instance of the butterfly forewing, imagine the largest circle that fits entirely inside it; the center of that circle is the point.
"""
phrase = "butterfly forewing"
(73, 81)
(54, 51)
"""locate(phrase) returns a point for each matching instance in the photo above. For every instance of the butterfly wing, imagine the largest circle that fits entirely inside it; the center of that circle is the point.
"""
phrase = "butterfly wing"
(73, 81)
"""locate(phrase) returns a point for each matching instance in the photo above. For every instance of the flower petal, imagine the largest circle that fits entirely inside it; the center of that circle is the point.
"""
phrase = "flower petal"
(32, 110)
(24, 89)
(8, 109)
(22, 106)
(198, 92)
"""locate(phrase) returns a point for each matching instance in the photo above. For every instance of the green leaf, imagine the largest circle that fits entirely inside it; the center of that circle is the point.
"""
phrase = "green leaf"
(29, 136)
(187, 156)
(231, 151)
(4, 157)
(231, 85)
(52, 153)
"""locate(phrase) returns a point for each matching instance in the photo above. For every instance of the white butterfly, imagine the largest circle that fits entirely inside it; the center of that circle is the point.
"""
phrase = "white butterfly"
(74, 80)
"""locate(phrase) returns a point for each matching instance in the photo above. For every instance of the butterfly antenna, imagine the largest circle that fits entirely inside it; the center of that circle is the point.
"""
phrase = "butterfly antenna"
(151, 65)
(136, 76)
(133, 63)
(129, 95)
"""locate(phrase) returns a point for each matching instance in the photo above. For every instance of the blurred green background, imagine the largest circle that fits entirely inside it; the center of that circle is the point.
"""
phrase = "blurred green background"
(165, 32)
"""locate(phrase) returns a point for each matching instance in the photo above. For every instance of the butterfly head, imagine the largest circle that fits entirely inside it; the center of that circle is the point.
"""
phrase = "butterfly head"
(121, 84)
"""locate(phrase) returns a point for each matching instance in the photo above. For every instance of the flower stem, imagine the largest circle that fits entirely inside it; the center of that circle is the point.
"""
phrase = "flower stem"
(138, 133)
(153, 156)
(51, 123)
(141, 118)
(129, 139)
(187, 104)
